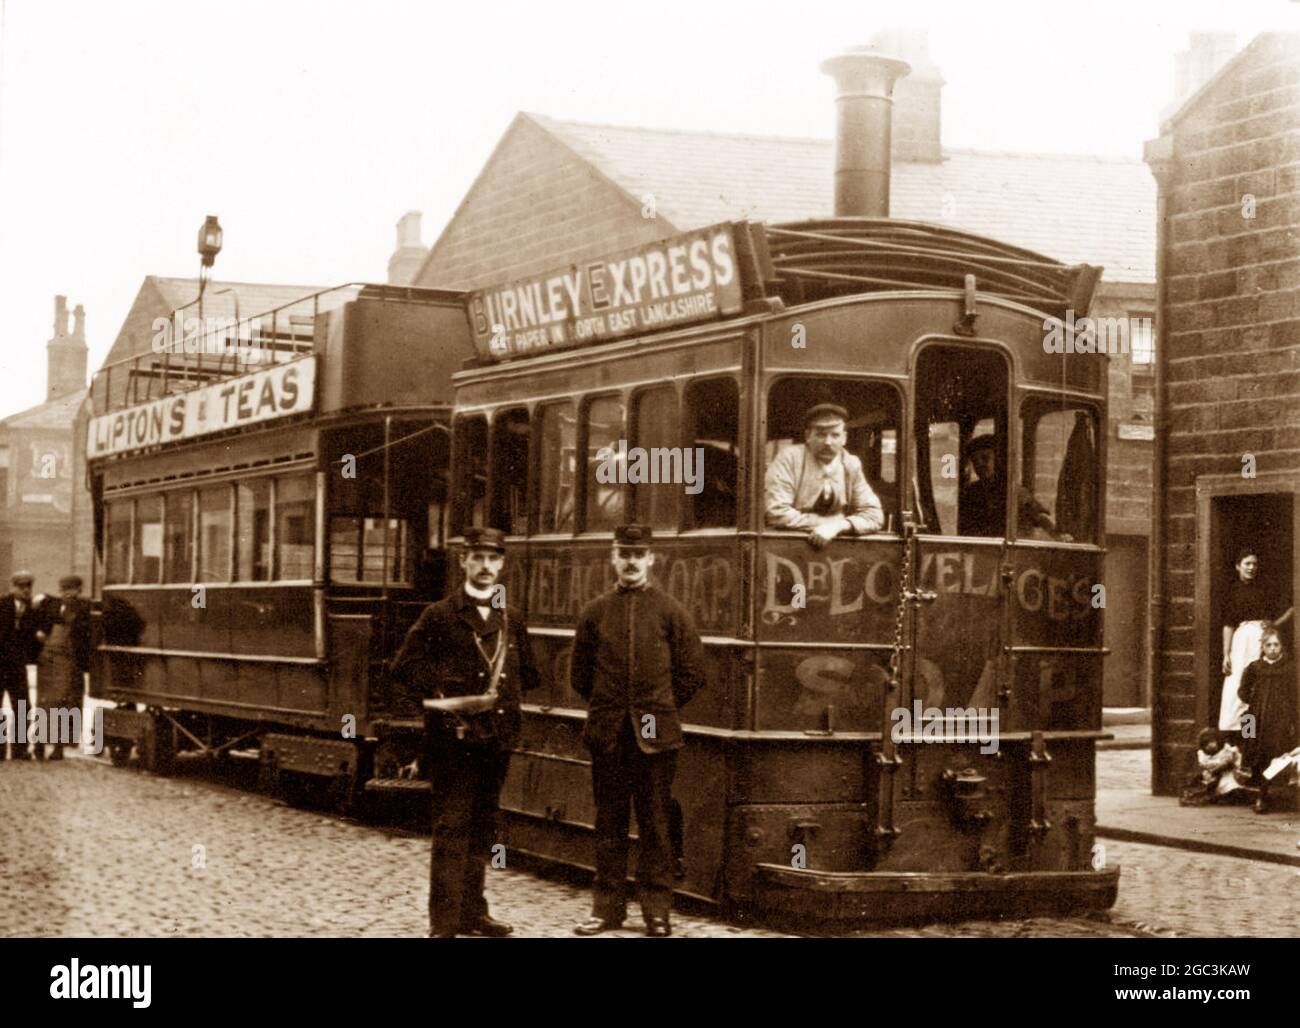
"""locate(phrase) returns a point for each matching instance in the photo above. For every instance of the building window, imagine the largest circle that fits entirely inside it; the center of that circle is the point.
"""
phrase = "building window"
(253, 530)
(555, 469)
(1142, 337)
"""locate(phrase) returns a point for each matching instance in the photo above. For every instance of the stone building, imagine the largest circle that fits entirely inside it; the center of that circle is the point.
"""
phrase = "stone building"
(1227, 164)
(554, 192)
(40, 492)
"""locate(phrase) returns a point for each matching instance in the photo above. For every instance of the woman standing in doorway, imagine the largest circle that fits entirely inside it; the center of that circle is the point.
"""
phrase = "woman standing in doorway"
(1246, 612)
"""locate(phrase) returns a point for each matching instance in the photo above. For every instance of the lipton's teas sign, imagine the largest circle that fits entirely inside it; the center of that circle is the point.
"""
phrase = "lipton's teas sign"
(273, 393)
(678, 281)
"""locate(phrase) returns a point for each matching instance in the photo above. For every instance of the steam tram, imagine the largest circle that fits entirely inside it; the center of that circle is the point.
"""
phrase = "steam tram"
(898, 726)
(833, 767)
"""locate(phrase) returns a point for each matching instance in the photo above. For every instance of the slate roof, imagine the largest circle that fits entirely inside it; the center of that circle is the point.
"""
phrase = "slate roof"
(254, 297)
(1072, 208)
(53, 414)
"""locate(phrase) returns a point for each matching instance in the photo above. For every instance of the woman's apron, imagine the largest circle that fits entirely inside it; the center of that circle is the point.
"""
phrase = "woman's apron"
(1244, 650)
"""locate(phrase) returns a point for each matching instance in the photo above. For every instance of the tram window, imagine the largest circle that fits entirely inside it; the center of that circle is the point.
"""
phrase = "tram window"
(295, 526)
(1059, 498)
(472, 461)
(961, 419)
(117, 543)
(510, 472)
(555, 469)
(253, 530)
(357, 552)
(713, 425)
(147, 543)
(605, 478)
(875, 412)
(178, 537)
(216, 527)
(658, 482)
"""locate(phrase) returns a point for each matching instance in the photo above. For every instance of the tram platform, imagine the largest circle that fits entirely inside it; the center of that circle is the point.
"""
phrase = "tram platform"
(1127, 811)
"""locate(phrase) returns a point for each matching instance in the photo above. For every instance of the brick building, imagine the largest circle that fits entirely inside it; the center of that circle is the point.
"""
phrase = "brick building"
(553, 192)
(39, 489)
(1227, 164)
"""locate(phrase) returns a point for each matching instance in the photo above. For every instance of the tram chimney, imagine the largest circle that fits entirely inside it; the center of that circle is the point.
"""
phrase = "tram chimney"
(864, 81)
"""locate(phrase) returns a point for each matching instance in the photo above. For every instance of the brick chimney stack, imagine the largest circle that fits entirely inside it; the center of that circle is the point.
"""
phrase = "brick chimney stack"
(410, 252)
(66, 353)
(917, 97)
(1206, 53)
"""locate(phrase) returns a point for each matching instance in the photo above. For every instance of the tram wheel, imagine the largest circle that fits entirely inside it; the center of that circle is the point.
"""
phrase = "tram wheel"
(295, 788)
(119, 753)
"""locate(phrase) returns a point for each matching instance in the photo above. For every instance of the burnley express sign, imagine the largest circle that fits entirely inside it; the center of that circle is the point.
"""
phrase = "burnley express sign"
(678, 281)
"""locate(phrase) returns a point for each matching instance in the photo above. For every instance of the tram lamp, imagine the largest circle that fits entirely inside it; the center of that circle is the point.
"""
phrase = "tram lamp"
(210, 240)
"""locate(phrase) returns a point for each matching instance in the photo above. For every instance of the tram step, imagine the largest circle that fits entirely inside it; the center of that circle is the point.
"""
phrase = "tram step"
(397, 785)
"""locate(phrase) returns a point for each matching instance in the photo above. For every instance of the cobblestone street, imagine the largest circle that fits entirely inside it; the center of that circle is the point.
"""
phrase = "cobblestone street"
(117, 852)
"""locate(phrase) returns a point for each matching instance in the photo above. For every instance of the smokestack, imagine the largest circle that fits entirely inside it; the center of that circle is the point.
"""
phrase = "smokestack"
(864, 80)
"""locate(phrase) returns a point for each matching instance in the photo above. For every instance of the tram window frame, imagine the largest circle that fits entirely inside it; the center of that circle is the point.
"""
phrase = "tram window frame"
(206, 571)
(940, 411)
(472, 465)
(307, 481)
(592, 461)
(645, 497)
(509, 503)
(178, 569)
(1033, 409)
(116, 573)
(823, 390)
(551, 470)
(259, 561)
(140, 527)
(693, 416)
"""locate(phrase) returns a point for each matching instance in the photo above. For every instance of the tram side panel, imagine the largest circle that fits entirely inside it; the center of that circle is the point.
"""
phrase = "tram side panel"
(547, 794)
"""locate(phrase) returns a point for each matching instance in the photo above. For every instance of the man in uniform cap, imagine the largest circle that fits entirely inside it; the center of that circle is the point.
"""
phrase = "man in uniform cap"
(637, 660)
(470, 655)
(21, 636)
(60, 682)
(818, 485)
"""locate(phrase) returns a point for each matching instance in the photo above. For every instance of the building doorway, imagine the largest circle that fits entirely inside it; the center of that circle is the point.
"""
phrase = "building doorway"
(1264, 523)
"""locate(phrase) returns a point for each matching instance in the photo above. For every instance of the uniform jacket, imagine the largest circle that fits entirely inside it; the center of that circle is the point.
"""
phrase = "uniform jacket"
(18, 643)
(75, 617)
(636, 652)
(438, 657)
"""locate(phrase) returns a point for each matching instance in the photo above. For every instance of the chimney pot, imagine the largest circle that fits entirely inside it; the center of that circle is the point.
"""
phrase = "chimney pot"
(864, 80)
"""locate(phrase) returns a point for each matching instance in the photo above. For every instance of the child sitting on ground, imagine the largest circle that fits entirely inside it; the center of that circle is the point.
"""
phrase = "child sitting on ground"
(1268, 689)
(1218, 765)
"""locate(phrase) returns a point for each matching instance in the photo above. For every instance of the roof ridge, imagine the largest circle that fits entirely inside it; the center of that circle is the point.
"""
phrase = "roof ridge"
(547, 120)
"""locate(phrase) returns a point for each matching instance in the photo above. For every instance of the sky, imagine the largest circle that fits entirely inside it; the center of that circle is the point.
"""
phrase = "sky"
(309, 128)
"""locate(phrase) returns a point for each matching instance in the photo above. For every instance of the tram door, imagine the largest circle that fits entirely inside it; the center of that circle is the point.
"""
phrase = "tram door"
(960, 409)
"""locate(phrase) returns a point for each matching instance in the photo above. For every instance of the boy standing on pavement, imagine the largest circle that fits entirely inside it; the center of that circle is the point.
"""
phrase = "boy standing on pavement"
(469, 650)
(637, 660)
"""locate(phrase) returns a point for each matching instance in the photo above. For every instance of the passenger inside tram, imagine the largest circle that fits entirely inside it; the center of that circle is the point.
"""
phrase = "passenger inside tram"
(820, 485)
(981, 510)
